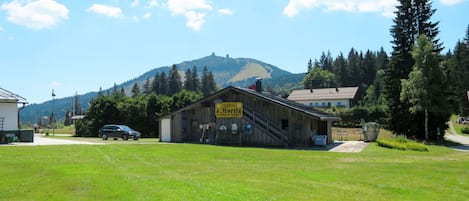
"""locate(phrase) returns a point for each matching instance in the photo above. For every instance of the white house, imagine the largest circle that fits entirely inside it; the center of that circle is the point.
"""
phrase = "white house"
(9, 110)
(326, 97)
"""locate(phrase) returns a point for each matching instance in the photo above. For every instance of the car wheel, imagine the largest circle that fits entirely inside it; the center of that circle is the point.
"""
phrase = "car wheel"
(104, 137)
(125, 137)
(135, 138)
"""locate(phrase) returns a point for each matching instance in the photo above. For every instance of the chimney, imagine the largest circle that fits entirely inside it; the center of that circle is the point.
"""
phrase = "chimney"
(259, 84)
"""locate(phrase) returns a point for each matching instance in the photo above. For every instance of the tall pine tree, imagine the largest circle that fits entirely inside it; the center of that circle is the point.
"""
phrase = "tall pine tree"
(412, 19)
(174, 81)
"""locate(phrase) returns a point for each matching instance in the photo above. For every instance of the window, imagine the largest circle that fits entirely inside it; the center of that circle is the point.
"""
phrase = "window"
(285, 124)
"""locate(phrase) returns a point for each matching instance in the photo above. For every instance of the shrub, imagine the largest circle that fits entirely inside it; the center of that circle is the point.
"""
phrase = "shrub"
(465, 130)
(402, 143)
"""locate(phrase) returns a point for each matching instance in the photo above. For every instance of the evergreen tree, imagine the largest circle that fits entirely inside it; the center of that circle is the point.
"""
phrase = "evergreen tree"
(310, 65)
(188, 80)
(424, 89)
(174, 81)
(325, 61)
(100, 92)
(208, 85)
(68, 118)
(122, 93)
(155, 84)
(458, 72)
(195, 79)
(369, 68)
(115, 89)
(340, 66)
(135, 90)
(164, 85)
(147, 87)
(353, 69)
(412, 19)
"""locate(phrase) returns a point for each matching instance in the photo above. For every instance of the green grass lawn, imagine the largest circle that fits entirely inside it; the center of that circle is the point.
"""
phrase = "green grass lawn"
(203, 172)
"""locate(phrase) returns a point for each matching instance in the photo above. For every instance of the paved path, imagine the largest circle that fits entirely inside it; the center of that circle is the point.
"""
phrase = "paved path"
(349, 146)
(452, 136)
(41, 140)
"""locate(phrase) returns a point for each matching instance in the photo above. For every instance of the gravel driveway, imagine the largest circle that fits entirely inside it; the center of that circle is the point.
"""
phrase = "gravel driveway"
(40, 140)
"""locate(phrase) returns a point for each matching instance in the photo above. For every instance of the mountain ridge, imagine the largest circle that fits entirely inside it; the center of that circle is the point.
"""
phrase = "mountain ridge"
(227, 71)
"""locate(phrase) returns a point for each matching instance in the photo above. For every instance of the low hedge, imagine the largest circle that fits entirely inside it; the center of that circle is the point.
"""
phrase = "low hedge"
(402, 143)
(465, 130)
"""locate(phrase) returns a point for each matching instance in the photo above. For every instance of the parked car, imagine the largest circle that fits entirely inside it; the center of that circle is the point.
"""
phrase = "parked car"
(462, 120)
(118, 131)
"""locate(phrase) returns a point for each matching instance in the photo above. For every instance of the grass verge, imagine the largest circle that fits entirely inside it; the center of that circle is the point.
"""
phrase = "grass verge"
(204, 172)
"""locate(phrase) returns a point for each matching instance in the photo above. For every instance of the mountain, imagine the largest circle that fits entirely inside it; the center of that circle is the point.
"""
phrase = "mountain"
(227, 71)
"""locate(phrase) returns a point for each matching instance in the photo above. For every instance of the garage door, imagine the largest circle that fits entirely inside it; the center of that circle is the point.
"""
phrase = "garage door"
(165, 130)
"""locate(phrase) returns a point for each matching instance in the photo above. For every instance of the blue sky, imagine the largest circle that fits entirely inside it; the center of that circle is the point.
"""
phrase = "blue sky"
(77, 46)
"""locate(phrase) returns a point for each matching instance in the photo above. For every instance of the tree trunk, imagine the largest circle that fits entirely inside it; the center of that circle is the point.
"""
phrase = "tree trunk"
(426, 124)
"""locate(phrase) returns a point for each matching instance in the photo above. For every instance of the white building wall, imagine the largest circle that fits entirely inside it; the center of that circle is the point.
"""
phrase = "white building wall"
(165, 129)
(325, 103)
(9, 111)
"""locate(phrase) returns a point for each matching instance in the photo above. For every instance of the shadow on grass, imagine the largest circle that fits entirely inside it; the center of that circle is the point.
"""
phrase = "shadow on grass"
(451, 145)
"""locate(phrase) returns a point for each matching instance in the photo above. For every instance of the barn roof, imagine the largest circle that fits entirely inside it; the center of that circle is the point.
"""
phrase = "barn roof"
(309, 111)
(8, 96)
(324, 94)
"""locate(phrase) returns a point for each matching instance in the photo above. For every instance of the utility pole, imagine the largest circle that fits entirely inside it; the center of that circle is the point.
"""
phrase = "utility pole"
(53, 111)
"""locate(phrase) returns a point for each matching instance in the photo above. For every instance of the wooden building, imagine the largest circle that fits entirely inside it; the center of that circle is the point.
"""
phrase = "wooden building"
(241, 116)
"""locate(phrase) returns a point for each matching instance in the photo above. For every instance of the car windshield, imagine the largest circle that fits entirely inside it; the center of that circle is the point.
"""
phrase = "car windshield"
(126, 128)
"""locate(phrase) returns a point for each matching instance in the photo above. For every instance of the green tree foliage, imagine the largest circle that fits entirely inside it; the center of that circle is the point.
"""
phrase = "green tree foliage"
(163, 84)
(184, 98)
(208, 85)
(424, 89)
(188, 80)
(135, 90)
(319, 78)
(155, 84)
(340, 69)
(412, 19)
(174, 81)
(146, 89)
(191, 82)
(195, 82)
(68, 118)
(458, 73)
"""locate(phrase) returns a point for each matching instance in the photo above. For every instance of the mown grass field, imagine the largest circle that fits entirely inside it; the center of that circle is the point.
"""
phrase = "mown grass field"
(159, 171)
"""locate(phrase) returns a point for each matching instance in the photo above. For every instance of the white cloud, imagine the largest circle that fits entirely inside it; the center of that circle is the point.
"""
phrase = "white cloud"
(191, 10)
(385, 7)
(134, 3)
(105, 10)
(183, 6)
(35, 14)
(152, 4)
(225, 11)
(195, 20)
(147, 15)
(451, 2)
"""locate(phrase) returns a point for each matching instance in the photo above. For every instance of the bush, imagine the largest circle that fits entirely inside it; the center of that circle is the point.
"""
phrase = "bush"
(465, 130)
(402, 143)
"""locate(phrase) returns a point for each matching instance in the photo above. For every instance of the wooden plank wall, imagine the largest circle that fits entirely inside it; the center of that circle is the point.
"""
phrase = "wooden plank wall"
(185, 124)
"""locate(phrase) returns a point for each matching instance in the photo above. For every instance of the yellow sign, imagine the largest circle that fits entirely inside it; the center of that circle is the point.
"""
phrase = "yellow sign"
(229, 110)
